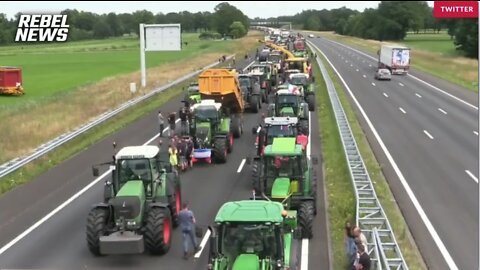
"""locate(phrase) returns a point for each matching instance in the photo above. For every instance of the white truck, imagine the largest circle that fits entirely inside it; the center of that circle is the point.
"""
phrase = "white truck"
(394, 57)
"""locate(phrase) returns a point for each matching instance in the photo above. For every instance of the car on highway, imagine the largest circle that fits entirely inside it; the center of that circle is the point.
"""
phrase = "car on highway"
(311, 36)
(383, 74)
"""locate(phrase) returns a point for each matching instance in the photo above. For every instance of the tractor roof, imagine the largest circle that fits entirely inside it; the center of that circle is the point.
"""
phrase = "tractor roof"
(136, 152)
(250, 211)
(207, 103)
(284, 92)
(276, 121)
(284, 146)
(303, 75)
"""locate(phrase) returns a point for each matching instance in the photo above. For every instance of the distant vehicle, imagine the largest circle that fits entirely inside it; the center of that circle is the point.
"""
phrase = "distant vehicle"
(394, 57)
(311, 36)
(383, 74)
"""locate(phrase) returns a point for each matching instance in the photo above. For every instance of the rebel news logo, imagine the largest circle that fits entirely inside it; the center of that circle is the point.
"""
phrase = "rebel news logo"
(455, 9)
(42, 28)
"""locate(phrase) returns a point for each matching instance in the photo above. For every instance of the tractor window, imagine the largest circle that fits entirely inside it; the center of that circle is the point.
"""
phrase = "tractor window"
(206, 114)
(133, 169)
(282, 166)
(244, 82)
(249, 238)
(287, 101)
(275, 58)
(298, 80)
(296, 65)
(280, 131)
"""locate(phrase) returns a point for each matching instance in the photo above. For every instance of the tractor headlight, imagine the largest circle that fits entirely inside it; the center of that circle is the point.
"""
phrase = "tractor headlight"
(279, 264)
(131, 223)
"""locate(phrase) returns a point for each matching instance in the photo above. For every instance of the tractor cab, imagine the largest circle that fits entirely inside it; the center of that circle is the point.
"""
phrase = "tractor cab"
(193, 93)
(286, 104)
(207, 117)
(298, 63)
(278, 127)
(254, 234)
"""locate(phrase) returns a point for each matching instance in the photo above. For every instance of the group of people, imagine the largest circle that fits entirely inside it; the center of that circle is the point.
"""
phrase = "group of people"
(356, 248)
(185, 116)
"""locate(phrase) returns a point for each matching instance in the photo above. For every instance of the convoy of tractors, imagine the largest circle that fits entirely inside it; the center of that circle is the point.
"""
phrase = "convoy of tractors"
(143, 197)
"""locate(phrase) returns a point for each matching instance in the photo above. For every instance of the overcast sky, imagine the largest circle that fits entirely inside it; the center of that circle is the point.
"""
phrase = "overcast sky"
(263, 9)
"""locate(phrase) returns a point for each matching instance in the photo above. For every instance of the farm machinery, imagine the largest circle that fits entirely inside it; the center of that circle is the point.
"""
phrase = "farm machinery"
(251, 92)
(192, 94)
(306, 88)
(285, 174)
(11, 81)
(288, 104)
(140, 205)
(217, 119)
(254, 234)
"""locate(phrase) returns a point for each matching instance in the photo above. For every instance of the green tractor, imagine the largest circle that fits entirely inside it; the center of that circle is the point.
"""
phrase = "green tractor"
(306, 86)
(192, 94)
(254, 235)
(288, 104)
(285, 173)
(213, 131)
(141, 204)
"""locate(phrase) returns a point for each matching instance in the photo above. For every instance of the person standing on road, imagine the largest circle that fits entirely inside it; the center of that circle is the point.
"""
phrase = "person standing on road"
(161, 122)
(187, 224)
(183, 120)
(171, 123)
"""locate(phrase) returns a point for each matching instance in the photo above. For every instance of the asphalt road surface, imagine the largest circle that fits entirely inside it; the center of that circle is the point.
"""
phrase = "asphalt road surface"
(433, 138)
(57, 238)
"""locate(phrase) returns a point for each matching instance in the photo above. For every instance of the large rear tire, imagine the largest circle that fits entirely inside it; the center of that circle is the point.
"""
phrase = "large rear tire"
(96, 225)
(158, 231)
(311, 102)
(236, 127)
(304, 127)
(220, 150)
(254, 104)
(305, 218)
(176, 206)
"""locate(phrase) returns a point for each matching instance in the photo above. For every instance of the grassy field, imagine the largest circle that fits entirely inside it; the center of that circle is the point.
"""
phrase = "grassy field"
(55, 68)
(34, 122)
(341, 198)
(431, 53)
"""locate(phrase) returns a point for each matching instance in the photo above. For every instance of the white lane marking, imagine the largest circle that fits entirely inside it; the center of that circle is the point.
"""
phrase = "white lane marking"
(369, 64)
(428, 134)
(402, 110)
(357, 69)
(401, 84)
(304, 264)
(364, 76)
(385, 94)
(475, 132)
(418, 95)
(418, 79)
(442, 111)
(64, 204)
(472, 176)
(248, 65)
(436, 238)
(373, 84)
(241, 166)
(351, 65)
(346, 61)
(52, 213)
(202, 244)
(158, 134)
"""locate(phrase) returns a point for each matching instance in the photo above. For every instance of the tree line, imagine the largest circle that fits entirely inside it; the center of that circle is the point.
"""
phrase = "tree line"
(226, 20)
(391, 20)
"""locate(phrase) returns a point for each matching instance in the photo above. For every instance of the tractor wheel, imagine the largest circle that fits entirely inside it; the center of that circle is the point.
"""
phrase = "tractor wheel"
(176, 206)
(311, 102)
(158, 231)
(220, 151)
(236, 127)
(96, 225)
(256, 185)
(254, 104)
(304, 127)
(305, 218)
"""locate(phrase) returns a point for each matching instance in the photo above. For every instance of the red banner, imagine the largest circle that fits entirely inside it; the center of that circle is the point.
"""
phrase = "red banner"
(455, 9)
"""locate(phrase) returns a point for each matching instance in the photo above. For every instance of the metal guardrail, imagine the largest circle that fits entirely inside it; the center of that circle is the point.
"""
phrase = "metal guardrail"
(382, 245)
(43, 149)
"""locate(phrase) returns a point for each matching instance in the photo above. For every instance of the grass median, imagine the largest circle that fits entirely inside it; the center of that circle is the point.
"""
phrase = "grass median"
(338, 184)
(433, 54)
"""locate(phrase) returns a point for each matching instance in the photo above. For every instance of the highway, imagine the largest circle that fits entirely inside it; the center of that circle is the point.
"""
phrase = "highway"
(430, 129)
(42, 223)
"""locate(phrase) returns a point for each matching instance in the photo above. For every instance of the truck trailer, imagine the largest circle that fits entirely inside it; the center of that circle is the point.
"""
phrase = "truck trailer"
(394, 57)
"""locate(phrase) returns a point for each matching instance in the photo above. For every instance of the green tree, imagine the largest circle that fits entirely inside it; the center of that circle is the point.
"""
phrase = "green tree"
(237, 29)
(102, 30)
(114, 24)
(466, 37)
(225, 14)
(313, 23)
